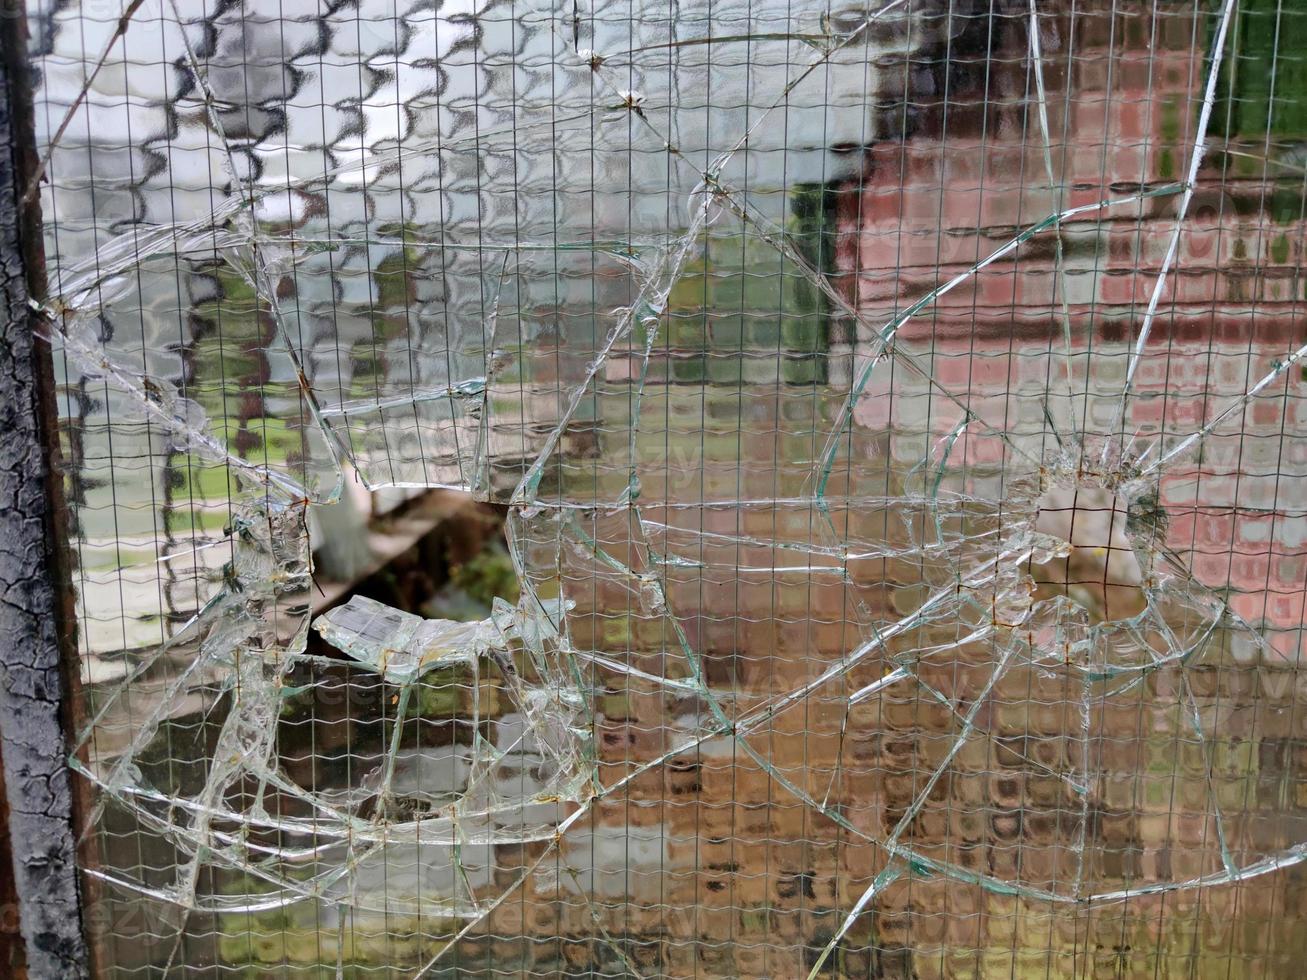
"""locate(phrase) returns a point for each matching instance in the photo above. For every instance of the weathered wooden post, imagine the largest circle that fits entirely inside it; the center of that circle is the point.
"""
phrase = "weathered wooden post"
(37, 648)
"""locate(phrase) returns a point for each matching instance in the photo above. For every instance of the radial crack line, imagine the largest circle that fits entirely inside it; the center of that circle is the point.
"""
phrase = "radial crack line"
(34, 183)
(894, 870)
(525, 490)
(1080, 787)
(911, 812)
(849, 39)
(650, 324)
(1054, 190)
(1185, 444)
(876, 642)
(568, 822)
(97, 362)
(779, 240)
(691, 655)
(759, 716)
(668, 269)
(842, 552)
(269, 290)
(1191, 181)
(1195, 721)
(887, 332)
(604, 935)
(617, 667)
(720, 161)
(914, 857)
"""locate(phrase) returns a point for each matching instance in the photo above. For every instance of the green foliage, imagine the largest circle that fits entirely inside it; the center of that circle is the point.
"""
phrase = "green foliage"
(488, 575)
(1264, 76)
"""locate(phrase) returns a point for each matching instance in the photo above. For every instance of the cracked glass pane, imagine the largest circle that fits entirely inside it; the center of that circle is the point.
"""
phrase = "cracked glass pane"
(715, 488)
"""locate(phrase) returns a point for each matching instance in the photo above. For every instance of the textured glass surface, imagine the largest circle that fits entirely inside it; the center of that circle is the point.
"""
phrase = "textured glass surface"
(900, 412)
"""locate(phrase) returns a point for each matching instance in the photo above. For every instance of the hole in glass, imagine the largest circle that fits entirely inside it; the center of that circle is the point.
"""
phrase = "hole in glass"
(1098, 569)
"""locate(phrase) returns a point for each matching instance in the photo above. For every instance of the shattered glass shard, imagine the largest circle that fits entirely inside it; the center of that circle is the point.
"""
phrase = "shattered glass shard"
(399, 645)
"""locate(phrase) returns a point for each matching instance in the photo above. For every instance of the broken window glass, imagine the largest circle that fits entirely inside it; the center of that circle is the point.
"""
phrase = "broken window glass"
(896, 416)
